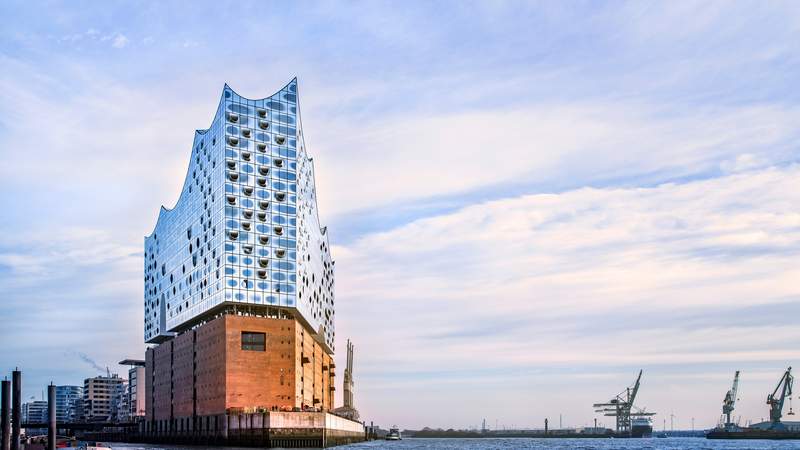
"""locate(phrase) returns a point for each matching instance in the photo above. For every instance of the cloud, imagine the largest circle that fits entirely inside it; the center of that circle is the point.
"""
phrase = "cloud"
(119, 41)
(595, 279)
(422, 158)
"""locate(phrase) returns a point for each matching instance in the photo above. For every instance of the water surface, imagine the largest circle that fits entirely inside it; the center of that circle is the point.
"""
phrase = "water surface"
(526, 443)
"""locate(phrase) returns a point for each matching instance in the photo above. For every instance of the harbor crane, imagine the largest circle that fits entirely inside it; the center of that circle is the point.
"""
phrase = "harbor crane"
(775, 400)
(730, 401)
(621, 407)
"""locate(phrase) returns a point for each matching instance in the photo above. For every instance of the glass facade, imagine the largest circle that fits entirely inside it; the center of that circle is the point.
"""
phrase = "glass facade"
(245, 229)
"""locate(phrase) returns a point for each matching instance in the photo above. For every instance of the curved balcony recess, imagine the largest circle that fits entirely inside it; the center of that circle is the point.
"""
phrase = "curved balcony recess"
(247, 249)
(262, 147)
(233, 234)
(248, 191)
(263, 205)
(262, 216)
(262, 274)
(246, 132)
(280, 253)
(280, 140)
(261, 181)
(261, 112)
(264, 240)
(231, 164)
(280, 196)
(263, 262)
(263, 170)
(278, 162)
(231, 199)
(233, 117)
(246, 226)
(233, 140)
(263, 124)
(246, 156)
(233, 176)
(247, 214)
(278, 231)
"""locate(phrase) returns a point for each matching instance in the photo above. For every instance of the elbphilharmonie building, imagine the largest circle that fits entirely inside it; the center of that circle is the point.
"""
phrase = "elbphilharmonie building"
(239, 285)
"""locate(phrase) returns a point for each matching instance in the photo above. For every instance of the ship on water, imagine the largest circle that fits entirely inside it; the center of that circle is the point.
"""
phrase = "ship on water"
(774, 429)
(631, 421)
(394, 434)
(641, 427)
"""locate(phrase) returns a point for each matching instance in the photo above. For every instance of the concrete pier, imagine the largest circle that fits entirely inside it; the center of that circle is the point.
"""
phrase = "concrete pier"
(265, 430)
(16, 408)
(5, 411)
(51, 417)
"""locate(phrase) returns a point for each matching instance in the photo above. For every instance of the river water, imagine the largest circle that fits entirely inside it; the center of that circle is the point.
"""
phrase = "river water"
(524, 443)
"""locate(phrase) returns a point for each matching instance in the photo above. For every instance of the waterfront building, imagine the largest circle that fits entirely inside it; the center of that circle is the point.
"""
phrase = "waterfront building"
(135, 395)
(101, 398)
(238, 276)
(67, 400)
(34, 412)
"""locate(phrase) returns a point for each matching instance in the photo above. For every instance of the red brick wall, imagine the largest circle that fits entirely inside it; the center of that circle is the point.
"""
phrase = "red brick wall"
(254, 377)
(148, 389)
(162, 367)
(210, 385)
(183, 374)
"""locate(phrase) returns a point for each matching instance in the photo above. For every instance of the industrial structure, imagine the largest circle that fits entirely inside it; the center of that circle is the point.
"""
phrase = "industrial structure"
(774, 428)
(348, 410)
(776, 399)
(625, 413)
(729, 402)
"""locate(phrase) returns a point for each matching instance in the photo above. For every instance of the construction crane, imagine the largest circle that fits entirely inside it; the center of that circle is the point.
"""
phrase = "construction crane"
(776, 399)
(730, 401)
(621, 407)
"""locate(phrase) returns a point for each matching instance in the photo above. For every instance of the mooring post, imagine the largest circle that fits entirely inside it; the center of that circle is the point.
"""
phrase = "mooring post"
(51, 417)
(16, 408)
(5, 410)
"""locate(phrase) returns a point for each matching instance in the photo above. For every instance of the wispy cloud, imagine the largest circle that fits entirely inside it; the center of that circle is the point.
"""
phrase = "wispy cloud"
(593, 278)
(531, 195)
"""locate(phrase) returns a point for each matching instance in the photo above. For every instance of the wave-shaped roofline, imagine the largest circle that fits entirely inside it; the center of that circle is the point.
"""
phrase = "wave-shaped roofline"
(201, 132)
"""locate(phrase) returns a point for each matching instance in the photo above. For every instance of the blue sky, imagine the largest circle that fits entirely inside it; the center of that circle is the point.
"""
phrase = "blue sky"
(527, 201)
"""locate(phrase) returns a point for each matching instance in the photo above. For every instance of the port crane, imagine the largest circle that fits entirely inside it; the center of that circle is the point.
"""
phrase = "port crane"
(621, 407)
(775, 400)
(730, 401)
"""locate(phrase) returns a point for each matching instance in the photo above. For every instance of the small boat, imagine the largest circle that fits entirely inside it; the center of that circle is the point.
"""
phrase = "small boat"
(394, 434)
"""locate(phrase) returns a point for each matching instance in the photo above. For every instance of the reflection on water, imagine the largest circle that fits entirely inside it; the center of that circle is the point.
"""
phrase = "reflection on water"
(521, 443)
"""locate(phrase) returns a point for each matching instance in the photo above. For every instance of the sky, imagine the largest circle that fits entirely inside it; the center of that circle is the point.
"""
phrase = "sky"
(527, 202)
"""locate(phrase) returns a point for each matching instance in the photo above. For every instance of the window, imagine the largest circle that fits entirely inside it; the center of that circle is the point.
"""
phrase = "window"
(254, 341)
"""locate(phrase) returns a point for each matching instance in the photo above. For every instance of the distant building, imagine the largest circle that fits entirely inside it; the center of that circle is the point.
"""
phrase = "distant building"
(238, 275)
(34, 412)
(136, 405)
(102, 397)
(68, 399)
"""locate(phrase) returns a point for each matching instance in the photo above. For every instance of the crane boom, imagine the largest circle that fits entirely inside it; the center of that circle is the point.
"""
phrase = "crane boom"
(730, 400)
(776, 399)
(622, 408)
(635, 389)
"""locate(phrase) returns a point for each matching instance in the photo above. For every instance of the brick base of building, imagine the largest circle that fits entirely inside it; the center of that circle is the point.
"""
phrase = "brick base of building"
(214, 370)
